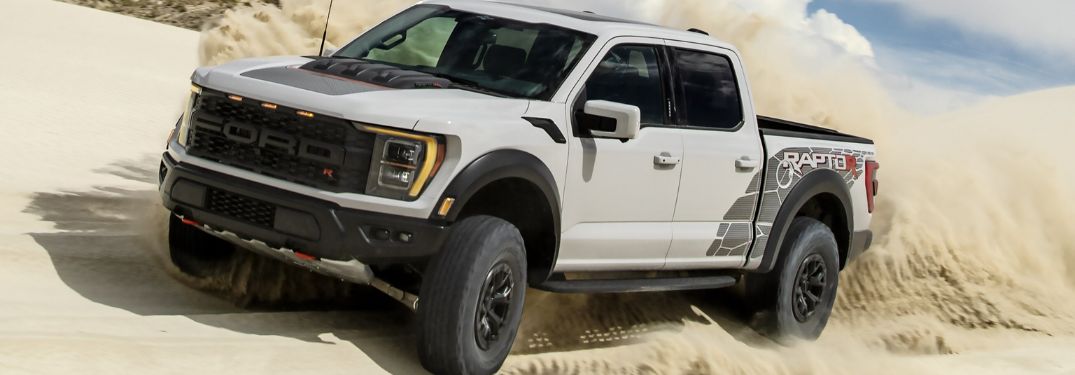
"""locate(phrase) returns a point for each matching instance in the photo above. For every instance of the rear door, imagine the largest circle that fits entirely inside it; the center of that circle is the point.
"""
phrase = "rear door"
(719, 190)
(618, 200)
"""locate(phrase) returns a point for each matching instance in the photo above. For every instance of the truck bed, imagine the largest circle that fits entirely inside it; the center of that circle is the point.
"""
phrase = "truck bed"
(778, 127)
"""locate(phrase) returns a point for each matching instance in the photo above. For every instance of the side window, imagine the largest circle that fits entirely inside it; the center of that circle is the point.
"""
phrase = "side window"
(630, 74)
(709, 95)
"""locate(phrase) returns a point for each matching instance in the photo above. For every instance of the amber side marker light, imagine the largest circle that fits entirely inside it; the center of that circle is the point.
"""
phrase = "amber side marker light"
(305, 114)
(235, 98)
(269, 106)
(445, 207)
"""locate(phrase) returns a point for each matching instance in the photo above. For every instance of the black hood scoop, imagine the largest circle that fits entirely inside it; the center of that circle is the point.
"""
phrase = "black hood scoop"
(335, 76)
(378, 74)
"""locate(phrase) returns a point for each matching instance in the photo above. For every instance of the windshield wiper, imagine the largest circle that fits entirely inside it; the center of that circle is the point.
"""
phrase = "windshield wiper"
(334, 57)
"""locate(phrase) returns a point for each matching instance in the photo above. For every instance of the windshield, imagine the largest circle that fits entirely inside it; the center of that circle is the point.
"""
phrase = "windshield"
(480, 52)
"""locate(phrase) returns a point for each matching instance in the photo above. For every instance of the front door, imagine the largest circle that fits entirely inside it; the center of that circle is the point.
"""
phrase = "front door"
(620, 197)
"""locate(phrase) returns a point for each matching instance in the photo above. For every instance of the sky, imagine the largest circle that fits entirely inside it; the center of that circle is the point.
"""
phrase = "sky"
(932, 55)
(956, 52)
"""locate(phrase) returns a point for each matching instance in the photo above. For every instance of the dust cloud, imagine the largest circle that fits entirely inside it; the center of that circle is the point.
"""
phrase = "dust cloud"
(293, 28)
(974, 247)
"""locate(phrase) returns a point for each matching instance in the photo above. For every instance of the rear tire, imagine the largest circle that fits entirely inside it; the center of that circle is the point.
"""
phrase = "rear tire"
(797, 297)
(472, 296)
(197, 253)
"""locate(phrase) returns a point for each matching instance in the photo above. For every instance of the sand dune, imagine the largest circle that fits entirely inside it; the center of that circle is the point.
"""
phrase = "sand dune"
(971, 273)
(86, 290)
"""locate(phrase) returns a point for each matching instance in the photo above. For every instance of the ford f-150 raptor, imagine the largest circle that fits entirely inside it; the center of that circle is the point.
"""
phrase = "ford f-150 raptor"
(489, 147)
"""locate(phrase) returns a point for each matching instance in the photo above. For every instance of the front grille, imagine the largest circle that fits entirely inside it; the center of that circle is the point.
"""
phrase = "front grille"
(321, 152)
(241, 208)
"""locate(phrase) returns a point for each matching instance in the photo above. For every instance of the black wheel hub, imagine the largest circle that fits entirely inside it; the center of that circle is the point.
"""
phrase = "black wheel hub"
(494, 302)
(809, 287)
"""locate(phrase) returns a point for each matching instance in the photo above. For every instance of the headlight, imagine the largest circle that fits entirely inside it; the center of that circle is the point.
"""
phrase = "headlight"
(184, 125)
(403, 163)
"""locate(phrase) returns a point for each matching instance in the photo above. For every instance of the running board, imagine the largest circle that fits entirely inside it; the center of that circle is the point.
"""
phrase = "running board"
(637, 285)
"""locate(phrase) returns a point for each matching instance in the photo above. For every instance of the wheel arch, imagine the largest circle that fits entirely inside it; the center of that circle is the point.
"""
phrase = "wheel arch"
(499, 178)
(823, 195)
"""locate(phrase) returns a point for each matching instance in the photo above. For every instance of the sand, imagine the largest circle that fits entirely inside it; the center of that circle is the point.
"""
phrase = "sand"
(970, 273)
(86, 291)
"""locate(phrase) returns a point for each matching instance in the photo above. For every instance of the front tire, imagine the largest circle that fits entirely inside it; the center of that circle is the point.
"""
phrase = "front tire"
(799, 295)
(196, 253)
(472, 296)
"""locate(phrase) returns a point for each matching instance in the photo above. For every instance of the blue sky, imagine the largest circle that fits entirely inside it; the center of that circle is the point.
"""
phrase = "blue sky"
(963, 57)
(999, 48)
(932, 55)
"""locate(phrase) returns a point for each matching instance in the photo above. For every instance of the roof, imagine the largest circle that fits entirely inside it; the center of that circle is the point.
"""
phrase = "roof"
(600, 25)
(585, 16)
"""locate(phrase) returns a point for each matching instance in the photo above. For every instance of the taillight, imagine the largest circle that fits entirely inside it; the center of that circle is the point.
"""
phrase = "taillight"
(871, 183)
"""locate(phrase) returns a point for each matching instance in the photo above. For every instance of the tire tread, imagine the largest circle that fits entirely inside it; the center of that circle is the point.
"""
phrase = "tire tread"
(437, 349)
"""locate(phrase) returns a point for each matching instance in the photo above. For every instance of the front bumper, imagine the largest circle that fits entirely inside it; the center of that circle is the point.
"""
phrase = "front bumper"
(285, 220)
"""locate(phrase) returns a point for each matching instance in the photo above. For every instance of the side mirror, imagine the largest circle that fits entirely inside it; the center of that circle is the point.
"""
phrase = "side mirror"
(328, 52)
(614, 120)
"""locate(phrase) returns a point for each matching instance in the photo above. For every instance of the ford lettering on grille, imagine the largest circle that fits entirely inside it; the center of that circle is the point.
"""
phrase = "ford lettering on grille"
(325, 153)
(284, 143)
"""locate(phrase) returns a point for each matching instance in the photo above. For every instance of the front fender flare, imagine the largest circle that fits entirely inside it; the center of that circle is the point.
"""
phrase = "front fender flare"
(508, 164)
(495, 166)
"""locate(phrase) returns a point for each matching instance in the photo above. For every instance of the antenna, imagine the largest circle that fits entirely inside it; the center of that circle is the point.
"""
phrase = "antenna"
(324, 35)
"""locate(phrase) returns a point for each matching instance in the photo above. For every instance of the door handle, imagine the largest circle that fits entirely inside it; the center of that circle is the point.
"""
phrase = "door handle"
(747, 163)
(666, 159)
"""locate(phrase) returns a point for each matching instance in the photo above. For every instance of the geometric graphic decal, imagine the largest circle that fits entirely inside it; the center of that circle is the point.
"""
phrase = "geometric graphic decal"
(787, 167)
(783, 171)
(733, 239)
(743, 208)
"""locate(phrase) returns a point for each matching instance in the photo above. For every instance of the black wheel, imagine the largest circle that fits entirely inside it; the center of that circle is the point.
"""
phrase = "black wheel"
(472, 296)
(798, 295)
(195, 252)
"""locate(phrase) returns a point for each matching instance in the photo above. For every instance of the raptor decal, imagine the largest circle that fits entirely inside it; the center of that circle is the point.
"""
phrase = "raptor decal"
(797, 161)
(786, 168)
(783, 172)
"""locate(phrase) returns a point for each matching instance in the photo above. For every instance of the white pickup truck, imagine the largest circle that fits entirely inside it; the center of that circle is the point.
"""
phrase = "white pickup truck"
(486, 148)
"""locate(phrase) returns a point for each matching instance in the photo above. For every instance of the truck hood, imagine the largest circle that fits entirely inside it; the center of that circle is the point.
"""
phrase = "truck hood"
(279, 80)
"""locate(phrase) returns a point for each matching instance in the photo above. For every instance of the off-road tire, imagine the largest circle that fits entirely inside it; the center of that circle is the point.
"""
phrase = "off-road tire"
(454, 288)
(809, 244)
(196, 253)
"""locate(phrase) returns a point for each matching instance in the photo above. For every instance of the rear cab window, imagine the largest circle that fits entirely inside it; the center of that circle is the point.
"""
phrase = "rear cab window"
(707, 93)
